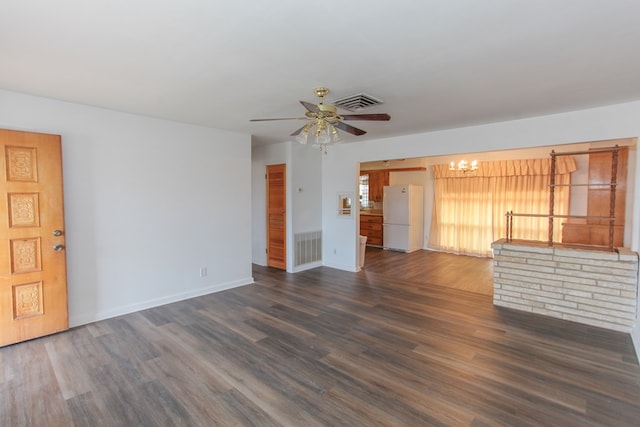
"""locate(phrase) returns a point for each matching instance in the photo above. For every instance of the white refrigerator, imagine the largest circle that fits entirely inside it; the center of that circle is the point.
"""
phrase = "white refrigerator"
(402, 217)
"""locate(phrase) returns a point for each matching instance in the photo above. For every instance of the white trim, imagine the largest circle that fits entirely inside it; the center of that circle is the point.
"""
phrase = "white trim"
(89, 318)
(341, 266)
(635, 338)
(307, 266)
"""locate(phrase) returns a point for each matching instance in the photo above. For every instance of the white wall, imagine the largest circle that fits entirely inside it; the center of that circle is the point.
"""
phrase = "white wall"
(306, 188)
(340, 239)
(304, 194)
(633, 211)
(147, 203)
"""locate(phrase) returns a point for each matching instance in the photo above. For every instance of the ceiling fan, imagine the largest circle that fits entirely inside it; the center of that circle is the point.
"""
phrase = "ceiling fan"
(326, 120)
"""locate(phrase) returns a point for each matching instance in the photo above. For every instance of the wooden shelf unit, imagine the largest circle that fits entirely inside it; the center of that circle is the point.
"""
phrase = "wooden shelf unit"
(604, 223)
(606, 201)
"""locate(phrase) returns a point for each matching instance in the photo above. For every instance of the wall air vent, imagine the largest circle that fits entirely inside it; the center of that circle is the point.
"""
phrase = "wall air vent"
(357, 102)
(307, 248)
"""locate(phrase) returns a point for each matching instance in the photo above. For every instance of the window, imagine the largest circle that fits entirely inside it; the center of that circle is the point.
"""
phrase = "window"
(469, 210)
(364, 190)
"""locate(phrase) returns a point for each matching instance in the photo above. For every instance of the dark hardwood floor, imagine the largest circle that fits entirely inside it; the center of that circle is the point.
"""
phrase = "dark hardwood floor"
(326, 348)
(467, 273)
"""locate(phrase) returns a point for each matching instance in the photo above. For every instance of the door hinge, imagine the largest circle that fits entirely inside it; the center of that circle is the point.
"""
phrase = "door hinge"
(266, 250)
(265, 176)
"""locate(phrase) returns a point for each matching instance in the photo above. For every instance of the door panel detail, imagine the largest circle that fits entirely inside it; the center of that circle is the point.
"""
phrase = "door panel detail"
(23, 210)
(27, 300)
(25, 255)
(21, 162)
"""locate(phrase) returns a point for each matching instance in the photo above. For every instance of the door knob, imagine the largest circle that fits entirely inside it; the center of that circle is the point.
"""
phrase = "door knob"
(58, 248)
(57, 233)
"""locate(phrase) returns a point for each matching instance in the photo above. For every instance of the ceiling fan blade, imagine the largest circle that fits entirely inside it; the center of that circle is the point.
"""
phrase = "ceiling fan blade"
(375, 117)
(285, 118)
(309, 106)
(350, 129)
(297, 132)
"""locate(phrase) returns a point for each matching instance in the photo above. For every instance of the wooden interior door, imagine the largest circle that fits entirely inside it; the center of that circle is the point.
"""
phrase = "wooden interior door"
(33, 279)
(276, 216)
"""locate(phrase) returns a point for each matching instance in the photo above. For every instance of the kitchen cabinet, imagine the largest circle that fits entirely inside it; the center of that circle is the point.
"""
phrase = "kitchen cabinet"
(377, 180)
(371, 226)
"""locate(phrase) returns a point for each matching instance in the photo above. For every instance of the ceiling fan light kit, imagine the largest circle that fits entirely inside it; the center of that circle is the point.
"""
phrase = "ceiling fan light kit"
(324, 133)
(324, 122)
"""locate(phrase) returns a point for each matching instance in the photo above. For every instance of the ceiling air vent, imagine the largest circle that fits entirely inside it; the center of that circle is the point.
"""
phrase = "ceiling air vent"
(357, 102)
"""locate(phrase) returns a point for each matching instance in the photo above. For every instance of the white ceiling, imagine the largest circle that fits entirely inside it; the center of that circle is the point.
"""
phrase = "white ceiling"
(436, 64)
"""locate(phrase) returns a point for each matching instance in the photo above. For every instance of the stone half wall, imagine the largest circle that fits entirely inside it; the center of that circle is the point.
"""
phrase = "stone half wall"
(592, 287)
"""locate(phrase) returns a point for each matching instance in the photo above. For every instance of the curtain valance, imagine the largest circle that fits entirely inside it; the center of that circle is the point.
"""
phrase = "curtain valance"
(527, 167)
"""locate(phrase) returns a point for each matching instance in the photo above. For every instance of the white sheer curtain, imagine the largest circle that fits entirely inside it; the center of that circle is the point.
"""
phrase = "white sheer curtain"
(469, 209)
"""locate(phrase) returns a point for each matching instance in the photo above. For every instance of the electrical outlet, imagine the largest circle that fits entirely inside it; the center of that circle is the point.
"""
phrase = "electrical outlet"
(203, 271)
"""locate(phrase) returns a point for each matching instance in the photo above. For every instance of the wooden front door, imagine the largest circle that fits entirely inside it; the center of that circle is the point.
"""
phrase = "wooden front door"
(276, 216)
(33, 279)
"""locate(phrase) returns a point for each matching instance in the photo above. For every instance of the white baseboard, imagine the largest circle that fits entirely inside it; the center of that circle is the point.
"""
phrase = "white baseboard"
(342, 267)
(260, 261)
(308, 266)
(119, 311)
(635, 337)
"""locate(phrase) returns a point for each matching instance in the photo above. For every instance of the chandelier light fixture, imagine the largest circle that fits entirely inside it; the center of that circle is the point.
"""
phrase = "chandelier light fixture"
(463, 166)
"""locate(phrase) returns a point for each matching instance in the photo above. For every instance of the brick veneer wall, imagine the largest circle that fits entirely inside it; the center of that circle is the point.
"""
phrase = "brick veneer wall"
(586, 286)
